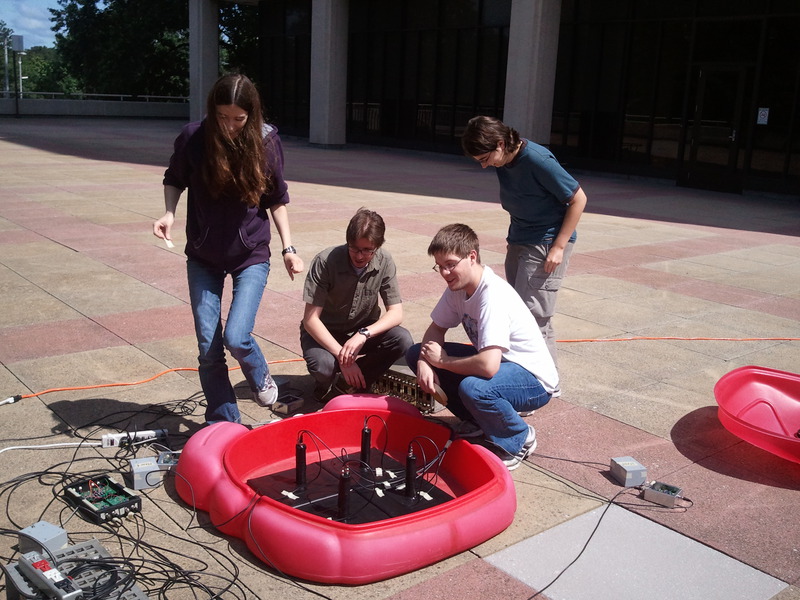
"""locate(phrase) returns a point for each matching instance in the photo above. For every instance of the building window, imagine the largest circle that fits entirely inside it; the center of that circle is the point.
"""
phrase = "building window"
(669, 88)
(419, 69)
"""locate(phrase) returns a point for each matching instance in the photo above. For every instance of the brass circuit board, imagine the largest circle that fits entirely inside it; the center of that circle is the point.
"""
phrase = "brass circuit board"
(405, 387)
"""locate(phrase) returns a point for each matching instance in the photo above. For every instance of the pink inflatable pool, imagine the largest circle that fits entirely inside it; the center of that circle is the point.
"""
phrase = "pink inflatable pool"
(352, 515)
(762, 406)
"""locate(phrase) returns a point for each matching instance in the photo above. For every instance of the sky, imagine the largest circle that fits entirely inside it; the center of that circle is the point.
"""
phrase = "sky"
(30, 19)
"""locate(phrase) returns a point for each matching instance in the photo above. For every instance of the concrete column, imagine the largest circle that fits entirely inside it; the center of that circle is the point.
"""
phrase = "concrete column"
(328, 102)
(203, 53)
(531, 72)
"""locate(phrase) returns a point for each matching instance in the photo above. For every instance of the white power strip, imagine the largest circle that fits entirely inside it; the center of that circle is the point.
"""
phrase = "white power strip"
(126, 438)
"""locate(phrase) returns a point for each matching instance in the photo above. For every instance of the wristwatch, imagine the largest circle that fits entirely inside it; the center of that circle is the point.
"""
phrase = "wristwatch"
(288, 250)
(364, 331)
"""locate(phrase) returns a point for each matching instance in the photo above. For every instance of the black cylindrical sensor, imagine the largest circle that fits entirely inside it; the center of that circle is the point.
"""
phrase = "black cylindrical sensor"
(344, 494)
(366, 443)
(300, 464)
(411, 475)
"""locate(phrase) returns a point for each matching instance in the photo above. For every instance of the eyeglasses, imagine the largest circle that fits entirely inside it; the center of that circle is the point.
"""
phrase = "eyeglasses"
(362, 251)
(485, 159)
(448, 267)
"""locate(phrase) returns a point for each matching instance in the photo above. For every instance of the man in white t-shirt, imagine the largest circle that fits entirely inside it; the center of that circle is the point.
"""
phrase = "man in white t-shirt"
(507, 369)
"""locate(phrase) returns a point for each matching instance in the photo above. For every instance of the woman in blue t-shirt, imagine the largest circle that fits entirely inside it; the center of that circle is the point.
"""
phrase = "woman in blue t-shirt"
(545, 203)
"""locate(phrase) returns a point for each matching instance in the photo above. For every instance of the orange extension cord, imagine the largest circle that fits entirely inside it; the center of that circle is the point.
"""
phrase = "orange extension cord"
(124, 384)
(273, 362)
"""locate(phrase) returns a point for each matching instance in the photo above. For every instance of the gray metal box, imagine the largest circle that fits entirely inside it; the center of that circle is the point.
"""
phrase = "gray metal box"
(628, 471)
(146, 473)
(46, 534)
(663, 494)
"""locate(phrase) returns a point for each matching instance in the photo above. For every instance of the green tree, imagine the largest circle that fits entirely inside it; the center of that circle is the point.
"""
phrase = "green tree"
(5, 34)
(46, 72)
(38, 68)
(138, 47)
(239, 45)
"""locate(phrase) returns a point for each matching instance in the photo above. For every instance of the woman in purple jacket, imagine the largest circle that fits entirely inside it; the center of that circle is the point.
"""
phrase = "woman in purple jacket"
(232, 164)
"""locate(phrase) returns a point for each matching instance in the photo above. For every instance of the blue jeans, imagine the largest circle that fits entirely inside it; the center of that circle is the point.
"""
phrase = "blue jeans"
(205, 293)
(493, 403)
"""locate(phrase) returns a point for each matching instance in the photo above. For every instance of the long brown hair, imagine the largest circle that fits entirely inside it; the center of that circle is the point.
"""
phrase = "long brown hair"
(235, 166)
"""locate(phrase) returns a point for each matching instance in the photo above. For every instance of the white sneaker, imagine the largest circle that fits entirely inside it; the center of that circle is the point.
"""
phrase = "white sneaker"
(467, 429)
(268, 395)
(515, 460)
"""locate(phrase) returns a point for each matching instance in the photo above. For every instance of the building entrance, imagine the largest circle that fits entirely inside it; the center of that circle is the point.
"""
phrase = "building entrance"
(714, 133)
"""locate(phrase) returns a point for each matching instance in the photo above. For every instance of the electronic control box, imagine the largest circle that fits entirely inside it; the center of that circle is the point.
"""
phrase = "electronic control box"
(663, 494)
(101, 499)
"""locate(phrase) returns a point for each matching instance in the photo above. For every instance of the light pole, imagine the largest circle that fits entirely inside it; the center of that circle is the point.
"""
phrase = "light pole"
(17, 45)
(5, 66)
(18, 48)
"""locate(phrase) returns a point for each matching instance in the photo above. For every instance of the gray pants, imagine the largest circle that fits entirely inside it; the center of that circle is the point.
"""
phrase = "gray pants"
(525, 272)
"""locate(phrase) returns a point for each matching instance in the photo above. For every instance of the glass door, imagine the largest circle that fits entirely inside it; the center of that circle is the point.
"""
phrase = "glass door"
(714, 131)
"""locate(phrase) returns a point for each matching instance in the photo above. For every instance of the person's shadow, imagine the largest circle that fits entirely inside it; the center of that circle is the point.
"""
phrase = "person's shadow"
(91, 418)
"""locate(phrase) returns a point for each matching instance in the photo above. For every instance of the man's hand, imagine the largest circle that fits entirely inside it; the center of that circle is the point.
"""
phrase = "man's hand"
(433, 354)
(353, 376)
(349, 352)
(426, 377)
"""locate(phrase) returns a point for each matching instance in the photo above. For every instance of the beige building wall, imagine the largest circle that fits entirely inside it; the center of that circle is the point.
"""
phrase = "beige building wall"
(203, 53)
(531, 72)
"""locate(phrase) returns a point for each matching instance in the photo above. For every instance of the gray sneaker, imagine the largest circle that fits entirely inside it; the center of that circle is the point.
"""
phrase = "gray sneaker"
(514, 460)
(268, 395)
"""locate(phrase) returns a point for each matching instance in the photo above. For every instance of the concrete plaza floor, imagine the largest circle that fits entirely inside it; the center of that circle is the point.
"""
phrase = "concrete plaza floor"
(95, 309)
